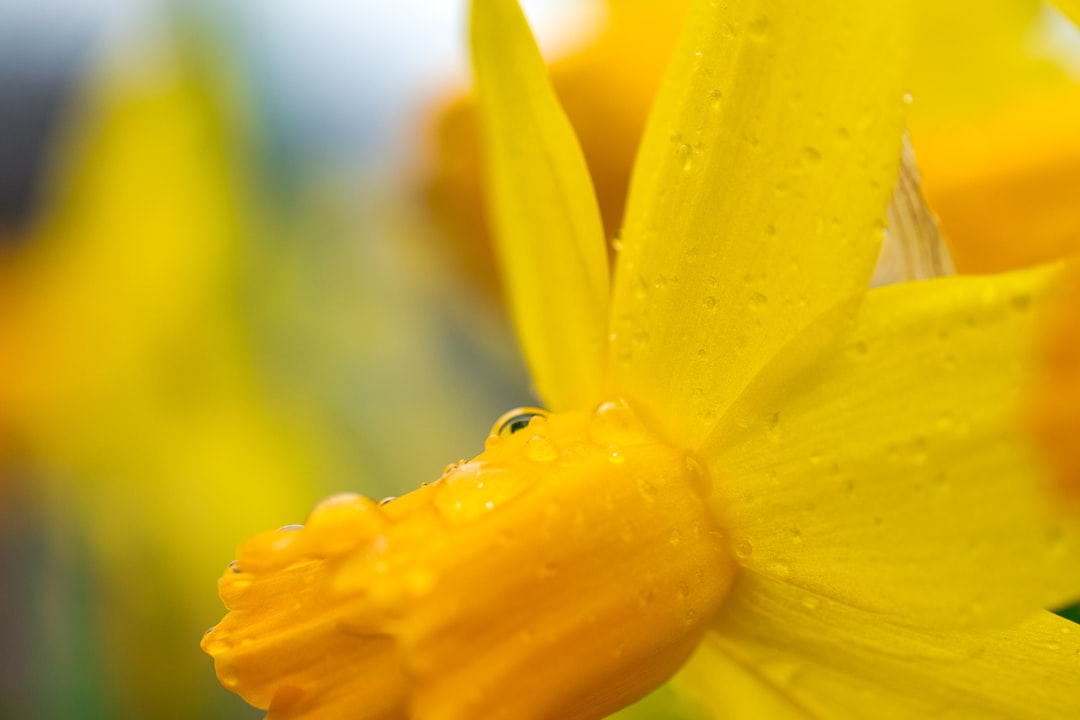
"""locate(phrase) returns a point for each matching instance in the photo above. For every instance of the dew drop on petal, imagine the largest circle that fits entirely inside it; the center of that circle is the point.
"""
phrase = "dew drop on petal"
(743, 549)
(540, 449)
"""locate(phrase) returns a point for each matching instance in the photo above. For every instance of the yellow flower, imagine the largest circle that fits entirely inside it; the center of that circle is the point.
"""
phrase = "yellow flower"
(822, 489)
(993, 122)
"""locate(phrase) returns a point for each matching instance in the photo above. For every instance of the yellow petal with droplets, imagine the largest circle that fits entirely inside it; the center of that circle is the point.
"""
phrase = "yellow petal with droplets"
(780, 652)
(549, 238)
(758, 196)
(893, 471)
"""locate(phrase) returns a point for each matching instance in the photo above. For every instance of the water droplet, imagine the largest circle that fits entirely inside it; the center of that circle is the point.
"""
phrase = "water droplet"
(796, 536)
(540, 449)
(743, 549)
(290, 528)
(715, 96)
(709, 302)
(811, 602)
(647, 489)
(758, 301)
(812, 155)
(613, 424)
(235, 568)
(514, 422)
(210, 630)
(908, 98)
(387, 500)
(685, 153)
(640, 288)
(615, 458)
(675, 538)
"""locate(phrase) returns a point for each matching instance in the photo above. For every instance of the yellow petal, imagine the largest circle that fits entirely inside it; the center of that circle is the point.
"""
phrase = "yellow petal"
(801, 655)
(758, 196)
(893, 472)
(549, 238)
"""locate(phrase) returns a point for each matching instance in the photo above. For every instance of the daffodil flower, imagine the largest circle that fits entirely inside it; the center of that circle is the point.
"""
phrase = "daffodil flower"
(814, 496)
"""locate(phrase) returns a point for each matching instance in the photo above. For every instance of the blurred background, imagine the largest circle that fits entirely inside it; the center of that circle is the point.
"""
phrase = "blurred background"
(221, 299)
(242, 267)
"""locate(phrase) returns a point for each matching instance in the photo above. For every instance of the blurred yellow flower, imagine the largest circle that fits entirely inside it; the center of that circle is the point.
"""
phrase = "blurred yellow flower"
(993, 121)
(821, 488)
(128, 384)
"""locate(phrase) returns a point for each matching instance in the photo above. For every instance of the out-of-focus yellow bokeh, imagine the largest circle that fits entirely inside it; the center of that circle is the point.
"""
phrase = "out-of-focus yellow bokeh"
(199, 339)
